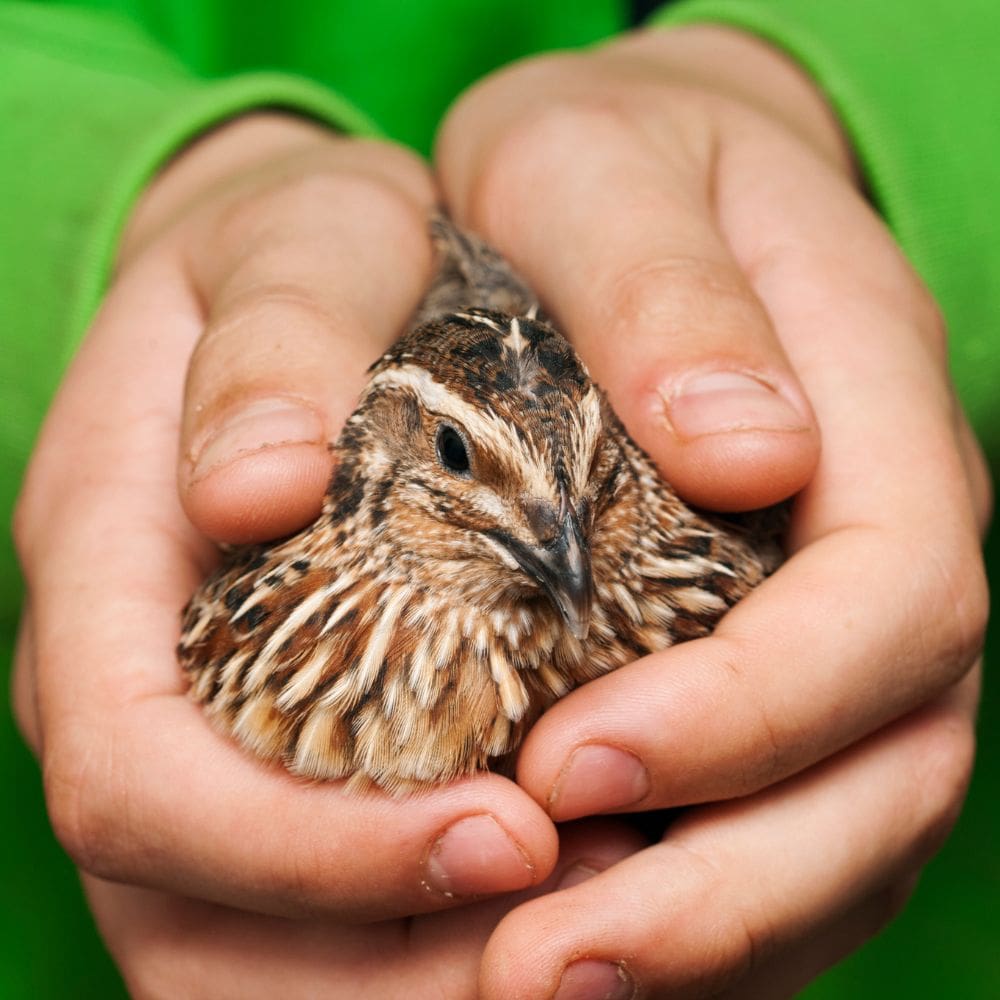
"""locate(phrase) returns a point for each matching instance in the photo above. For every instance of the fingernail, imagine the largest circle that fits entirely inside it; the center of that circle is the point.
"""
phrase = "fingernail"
(590, 979)
(475, 856)
(597, 778)
(717, 402)
(261, 424)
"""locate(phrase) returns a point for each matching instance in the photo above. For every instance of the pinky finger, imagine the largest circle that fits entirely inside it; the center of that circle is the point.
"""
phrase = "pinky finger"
(794, 967)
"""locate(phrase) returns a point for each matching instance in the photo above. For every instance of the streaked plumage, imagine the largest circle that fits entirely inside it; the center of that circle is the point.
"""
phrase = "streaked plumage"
(490, 539)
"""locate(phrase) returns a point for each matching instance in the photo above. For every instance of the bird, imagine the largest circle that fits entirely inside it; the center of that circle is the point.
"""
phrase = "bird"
(490, 539)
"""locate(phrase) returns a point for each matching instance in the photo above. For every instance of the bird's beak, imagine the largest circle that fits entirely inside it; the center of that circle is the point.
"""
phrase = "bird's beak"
(562, 567)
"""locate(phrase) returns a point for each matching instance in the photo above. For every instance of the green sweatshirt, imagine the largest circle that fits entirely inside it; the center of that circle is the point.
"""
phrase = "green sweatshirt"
(95, 97)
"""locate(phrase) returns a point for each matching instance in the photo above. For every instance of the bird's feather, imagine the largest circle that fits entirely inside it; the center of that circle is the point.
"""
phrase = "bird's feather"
(400, 640)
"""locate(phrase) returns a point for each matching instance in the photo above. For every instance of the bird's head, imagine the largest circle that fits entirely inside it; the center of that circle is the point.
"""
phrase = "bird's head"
(481, 439)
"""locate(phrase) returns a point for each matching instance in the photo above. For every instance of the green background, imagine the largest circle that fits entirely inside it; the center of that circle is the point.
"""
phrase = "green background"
(944, 945)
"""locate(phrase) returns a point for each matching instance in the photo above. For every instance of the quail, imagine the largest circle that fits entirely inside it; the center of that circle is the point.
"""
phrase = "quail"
(490, 539)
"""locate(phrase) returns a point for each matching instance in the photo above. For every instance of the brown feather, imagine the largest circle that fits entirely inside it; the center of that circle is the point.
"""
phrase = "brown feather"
(398, 641)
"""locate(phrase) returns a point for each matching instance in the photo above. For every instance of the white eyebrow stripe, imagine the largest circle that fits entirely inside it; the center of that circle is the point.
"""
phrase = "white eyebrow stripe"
(481, 422)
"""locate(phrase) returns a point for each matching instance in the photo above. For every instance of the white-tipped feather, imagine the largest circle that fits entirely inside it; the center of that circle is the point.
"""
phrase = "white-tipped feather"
(408, 635)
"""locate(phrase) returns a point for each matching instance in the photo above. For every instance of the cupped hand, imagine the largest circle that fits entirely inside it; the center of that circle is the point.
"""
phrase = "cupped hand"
(168, 945)
(279, 260)
(687, 209)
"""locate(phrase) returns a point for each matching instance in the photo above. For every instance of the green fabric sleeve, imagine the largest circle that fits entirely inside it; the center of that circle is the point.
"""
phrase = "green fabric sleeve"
(91, 108)
(916, 88)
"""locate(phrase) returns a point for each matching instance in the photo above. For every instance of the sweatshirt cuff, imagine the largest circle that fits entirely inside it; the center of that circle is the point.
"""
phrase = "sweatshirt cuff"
(186, 113)
(915, 91)
(96, 109)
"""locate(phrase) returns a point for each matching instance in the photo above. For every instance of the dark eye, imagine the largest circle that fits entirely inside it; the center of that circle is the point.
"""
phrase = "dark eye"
(451, 450)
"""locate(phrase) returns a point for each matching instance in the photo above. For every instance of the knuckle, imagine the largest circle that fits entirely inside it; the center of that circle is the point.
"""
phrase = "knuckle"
(541, 141)
(691, 294)
(402, 169)
(592, 105)
(31, 511)
(83, 807)
(23, 697)
(930, 321)
(157, 968)
(761, 750)
(65, 800)
(974, 608)
(724, 948)
(963, 596)
(273, 209)
(891, 902)
(245, 355)
(20, 528)
(257, 318)
(941, 771)
(299, 880)
(266, 338)
(902, 293)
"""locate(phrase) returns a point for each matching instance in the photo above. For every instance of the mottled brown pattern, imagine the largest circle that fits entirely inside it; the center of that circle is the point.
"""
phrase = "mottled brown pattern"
(417, 629)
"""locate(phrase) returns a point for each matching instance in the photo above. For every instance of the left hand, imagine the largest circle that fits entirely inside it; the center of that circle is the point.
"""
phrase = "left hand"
(169, 945)
(270, 255)
(686, 206)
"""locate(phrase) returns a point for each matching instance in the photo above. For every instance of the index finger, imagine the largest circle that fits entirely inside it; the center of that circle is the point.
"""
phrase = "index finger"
(617, 233)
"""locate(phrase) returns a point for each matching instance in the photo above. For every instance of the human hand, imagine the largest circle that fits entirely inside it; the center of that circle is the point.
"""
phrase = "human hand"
(168, 945)
(279, 260)
(687, 209)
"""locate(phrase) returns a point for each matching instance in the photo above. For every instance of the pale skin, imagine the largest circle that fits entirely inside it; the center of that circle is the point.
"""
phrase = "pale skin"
(740, 301)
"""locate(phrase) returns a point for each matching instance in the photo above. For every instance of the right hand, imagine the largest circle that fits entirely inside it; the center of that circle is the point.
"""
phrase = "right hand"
(271, 254)
(684, 203)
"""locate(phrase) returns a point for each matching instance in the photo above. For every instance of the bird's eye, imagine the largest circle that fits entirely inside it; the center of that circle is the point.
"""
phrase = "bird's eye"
(451, 450)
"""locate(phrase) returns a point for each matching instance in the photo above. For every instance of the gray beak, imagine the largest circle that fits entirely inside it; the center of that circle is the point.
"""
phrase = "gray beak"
(562, 568)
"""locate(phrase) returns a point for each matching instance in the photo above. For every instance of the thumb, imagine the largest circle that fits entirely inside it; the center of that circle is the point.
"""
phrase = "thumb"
(624, 251)
(307, 273)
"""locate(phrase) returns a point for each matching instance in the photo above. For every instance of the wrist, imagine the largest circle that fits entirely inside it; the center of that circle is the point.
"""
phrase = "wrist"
(742, 67)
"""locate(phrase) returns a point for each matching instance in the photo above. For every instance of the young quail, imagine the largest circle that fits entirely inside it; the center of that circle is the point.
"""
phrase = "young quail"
(490, 539)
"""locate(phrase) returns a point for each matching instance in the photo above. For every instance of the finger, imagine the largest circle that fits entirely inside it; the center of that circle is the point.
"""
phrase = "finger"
(171, 946)
(884, 601)
(791, 969)
(733, 884)
(618, 235)
(22, 682)
(306, 277)
(168, 945)
(139, 788)
(977, 472)
(585, 850)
